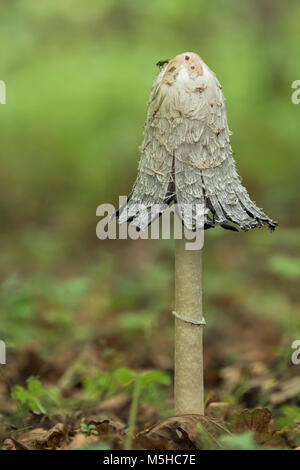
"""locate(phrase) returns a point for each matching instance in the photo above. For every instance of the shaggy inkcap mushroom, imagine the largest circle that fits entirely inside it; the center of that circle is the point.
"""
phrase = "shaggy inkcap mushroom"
(186, 156)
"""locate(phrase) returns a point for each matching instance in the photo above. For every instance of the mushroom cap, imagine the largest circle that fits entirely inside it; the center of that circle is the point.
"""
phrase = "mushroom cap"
(186, 154)
(191, 61)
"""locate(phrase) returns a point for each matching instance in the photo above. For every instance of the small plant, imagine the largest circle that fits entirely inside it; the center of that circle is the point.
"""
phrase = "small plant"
(101, 385)
(35, 397)
(105, 384)
(30, 397)
(88, 429)
(243, 441)
(140, 386)
(288, 416)
(139, 383)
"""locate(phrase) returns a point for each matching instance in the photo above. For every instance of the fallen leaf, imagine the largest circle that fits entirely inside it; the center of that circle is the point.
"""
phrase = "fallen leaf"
(53, 438)
(106, 426)
(218, 410)
(8, 444)
(119, 405)
(258, 421)
(288, 390)
(186, 432)
(19, 445)
(81, 441)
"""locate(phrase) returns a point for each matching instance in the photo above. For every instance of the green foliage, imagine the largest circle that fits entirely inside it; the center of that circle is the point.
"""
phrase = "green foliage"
(141, 386)
(35, 396)
(88, 429)
(100, 385)
(105, 384)
(97, 447)
(136, 321)
(243, 441)
(17, 309)
(22, 300)
(30, 397)
(288, 416)
(155, 377)
(124, 376)
(150, 286)
(286, 266)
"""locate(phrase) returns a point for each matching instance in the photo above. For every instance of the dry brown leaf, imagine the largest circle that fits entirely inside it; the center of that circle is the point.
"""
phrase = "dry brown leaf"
(212, 397)
(53, 438)
(36, 419)
(119, 405)
(106, 427)
(29, 438)
(286, 391)
(107, 431)
(186, 432)
(218, 410)
(81, 440)
(258, 421)
(8, 444)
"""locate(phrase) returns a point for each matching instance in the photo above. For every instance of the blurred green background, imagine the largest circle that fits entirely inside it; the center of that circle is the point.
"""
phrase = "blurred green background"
(78, 76)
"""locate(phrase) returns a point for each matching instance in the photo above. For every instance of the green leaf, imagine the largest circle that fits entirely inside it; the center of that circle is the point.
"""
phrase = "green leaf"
(34, 386)
(285, 266)
(243, 441)
(140, 321)
(124, 375)
(155, 376)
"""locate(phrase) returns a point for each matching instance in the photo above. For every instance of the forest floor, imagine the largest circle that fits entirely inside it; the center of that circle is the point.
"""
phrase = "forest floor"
(87, 343)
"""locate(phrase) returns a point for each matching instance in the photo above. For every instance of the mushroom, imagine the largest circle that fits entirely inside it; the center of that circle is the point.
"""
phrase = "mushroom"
(186, 158)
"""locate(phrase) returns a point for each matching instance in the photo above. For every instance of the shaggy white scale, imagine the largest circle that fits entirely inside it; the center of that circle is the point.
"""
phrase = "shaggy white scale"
(186, 154)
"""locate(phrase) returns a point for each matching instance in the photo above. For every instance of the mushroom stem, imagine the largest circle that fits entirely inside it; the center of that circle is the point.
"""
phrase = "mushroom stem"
(189, 394)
